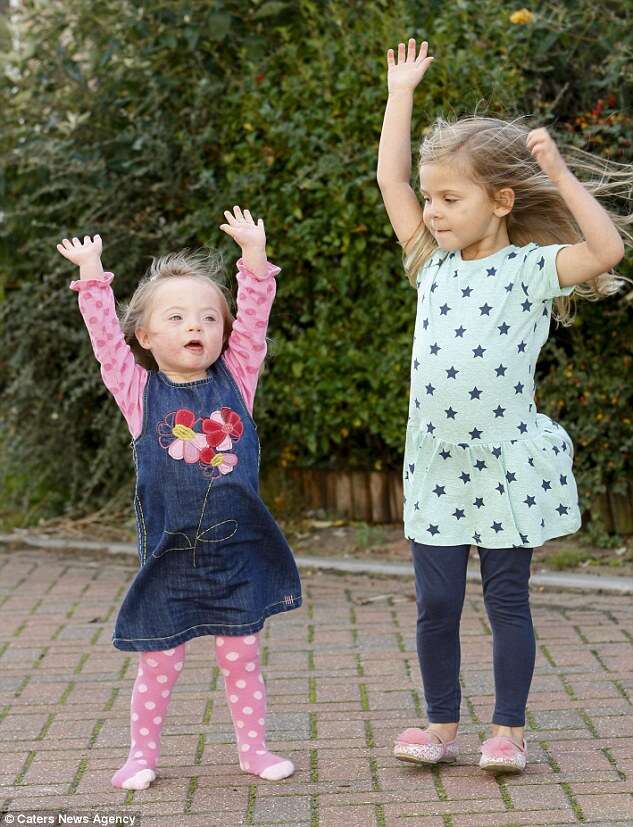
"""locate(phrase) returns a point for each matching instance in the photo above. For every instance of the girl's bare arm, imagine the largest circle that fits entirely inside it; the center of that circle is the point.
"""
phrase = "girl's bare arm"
(602, 247)
(394, 153)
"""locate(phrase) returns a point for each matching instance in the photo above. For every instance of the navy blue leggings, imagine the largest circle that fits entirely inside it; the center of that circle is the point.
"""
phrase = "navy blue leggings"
(440, 585)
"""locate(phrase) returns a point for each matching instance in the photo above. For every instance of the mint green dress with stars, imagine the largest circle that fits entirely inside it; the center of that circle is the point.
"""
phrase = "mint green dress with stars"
(481, 465)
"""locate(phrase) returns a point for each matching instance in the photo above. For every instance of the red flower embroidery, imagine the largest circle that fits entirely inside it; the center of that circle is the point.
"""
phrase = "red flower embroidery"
(216, 463)
(210, 448)
(222, 429)
(185, 417)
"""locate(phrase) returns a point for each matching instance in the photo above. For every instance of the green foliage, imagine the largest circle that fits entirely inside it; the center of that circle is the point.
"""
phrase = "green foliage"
(144, 121)
(567, 558)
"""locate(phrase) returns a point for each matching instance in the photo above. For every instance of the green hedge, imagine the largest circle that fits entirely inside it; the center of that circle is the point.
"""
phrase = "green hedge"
(144, 124)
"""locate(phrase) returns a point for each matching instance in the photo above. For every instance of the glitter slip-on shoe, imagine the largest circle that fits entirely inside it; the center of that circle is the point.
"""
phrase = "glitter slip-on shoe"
(501, 754)
(421, 746)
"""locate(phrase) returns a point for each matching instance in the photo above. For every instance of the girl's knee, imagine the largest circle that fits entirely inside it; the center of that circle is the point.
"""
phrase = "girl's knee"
(235, 649)
(439, 606)
(508, 608)
(155, 661)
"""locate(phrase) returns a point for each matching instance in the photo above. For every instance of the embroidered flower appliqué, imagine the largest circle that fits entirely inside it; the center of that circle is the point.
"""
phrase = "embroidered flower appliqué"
(210, 449)
(176, 435)
(215, 463)
(222, 429)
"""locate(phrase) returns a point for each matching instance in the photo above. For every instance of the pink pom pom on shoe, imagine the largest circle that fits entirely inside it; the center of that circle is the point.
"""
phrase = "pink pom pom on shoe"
(501, 754)
(423, 746)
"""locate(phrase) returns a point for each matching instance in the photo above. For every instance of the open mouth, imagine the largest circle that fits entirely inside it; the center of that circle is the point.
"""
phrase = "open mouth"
(194, 346)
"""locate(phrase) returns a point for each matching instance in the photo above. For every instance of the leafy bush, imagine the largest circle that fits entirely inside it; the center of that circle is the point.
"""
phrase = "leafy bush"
(144, 122)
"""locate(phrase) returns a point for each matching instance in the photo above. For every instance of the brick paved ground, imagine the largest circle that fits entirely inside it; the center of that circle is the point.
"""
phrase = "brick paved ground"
(343, 680)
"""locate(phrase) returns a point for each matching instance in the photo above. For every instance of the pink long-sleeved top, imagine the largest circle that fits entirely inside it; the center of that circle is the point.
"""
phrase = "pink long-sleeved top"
(125, 379)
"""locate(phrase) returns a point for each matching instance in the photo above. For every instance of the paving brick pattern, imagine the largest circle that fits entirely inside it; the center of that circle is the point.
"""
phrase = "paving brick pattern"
(343, 679)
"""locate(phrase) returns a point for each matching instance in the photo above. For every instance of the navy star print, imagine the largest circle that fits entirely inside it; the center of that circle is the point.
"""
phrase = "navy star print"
(471, 385)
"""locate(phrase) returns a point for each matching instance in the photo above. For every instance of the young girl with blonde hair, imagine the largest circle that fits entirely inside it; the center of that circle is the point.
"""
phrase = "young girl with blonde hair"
(505, 232)
(212, 561)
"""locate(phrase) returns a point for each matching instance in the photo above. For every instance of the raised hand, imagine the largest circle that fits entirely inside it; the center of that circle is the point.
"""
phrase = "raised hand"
(250, 236)
(243, 229)
(543, 147)
(408, 70)
(86, 255)
(79, 252)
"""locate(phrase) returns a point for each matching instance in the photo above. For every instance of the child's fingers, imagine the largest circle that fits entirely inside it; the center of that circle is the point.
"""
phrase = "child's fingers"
(537, 146)
(411, 50)
(542, 143)
(62, 249)
(424, 49)
(76, 240)
(400, 53)
(248, 216)
(540, 134)
(260, 223)
(238, 213)
(87, 239)
(229, 217)
(534, 138)
(227, 229)
(390, 58)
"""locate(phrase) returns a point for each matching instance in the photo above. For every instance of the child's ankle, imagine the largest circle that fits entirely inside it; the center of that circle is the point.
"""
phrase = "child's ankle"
(516, 733)
(447, 732)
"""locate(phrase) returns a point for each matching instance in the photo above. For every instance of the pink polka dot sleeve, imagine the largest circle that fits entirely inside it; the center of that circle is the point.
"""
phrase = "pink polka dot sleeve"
(246, 349)
(122, 376)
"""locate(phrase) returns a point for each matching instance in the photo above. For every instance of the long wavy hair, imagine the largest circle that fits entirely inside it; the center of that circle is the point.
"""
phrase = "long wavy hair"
(497, 156)
(203, 265)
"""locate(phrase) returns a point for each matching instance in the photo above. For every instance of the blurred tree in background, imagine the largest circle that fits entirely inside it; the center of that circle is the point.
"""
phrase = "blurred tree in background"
(145, 121)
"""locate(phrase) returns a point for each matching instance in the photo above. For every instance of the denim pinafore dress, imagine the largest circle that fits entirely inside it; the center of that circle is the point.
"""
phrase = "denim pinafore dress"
(212, 559)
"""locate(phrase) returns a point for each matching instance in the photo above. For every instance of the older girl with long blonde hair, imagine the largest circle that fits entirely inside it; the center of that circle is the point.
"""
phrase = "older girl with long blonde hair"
(506, 236)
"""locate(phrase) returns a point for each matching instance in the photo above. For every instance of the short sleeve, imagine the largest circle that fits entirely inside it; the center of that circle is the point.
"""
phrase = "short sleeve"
(424, 276)
(540, 273)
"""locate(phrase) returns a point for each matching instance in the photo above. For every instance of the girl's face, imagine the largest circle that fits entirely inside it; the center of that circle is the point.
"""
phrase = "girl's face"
(184, 327)
(459, 212)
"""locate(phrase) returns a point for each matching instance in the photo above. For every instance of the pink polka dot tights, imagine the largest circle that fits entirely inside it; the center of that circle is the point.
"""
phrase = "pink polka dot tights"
(238, 659)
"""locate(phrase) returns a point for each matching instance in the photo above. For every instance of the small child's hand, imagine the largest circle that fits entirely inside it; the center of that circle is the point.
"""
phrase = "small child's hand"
(80, 253)
(544, 149)
(243, 229)
(86, 255)
(250, 236)
(408, 71)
